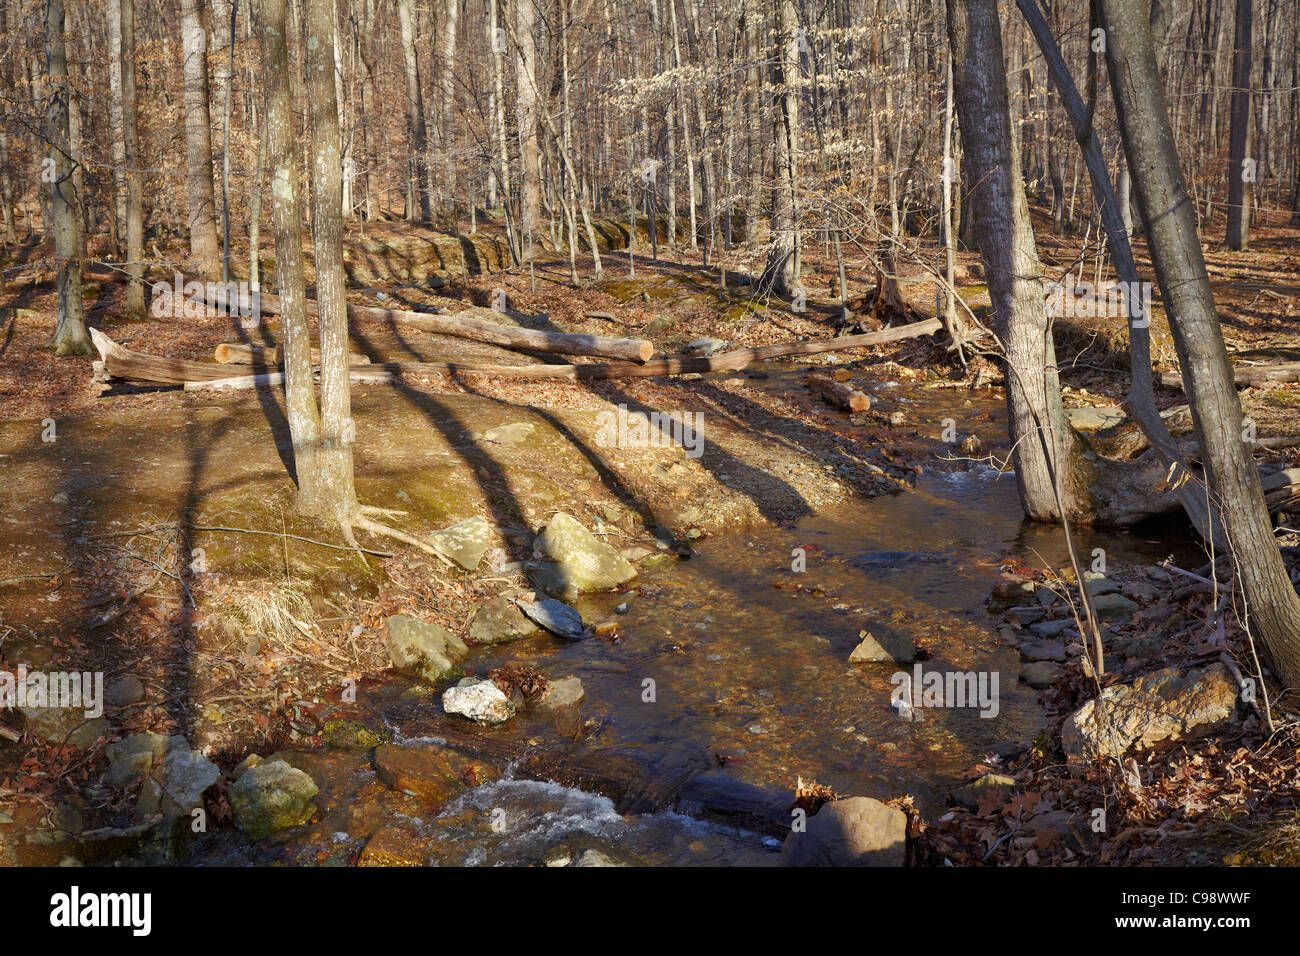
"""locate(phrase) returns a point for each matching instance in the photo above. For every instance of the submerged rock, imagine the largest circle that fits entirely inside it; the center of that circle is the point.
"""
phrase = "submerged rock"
(427, 773)
(561, 704)
(272, 796)
(396, 846)
(858, 831)
(348, 734)
(481, 701)
(1043, 651)
(1160, 706)
(422, 649)
(585, 562)
(883, 644)
(1040, 675)
(465, 542)
(499, 621)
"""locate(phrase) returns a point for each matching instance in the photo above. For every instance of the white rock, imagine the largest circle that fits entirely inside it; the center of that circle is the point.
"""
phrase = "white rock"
(481, 701)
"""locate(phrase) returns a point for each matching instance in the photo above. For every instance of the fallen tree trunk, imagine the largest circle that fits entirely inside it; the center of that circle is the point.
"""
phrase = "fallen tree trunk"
(121, 362)
(466, 325)
(1248, 374)
(838, 394)
(238, 353)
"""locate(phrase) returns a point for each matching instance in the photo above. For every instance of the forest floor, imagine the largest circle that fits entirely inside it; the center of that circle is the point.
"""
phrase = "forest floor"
(148, 539)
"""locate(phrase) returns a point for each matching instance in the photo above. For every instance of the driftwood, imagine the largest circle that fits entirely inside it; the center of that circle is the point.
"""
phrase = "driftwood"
(1248, 374)
(237, 353)
(121, 362)
(467, 325)
(838, 394)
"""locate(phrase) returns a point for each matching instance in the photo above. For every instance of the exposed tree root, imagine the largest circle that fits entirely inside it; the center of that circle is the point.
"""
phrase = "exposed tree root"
(359, 520)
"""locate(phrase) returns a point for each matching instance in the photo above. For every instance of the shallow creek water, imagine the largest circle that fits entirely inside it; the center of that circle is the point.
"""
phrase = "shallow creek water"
(758, 675)
(733, 658)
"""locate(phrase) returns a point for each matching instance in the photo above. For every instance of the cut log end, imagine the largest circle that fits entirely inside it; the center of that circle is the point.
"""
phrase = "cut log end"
(838, 393)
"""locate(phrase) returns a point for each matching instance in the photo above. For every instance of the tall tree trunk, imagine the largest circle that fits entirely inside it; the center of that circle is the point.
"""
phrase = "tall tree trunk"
(530, 198)
(70, 336)
(201, 205)
(6, 175)
(417, 184)
(781, 274)
(1042, 442)
(446, 106)
(1240, 173)
(135, 306)
(286, 221)
(113, 27)
(1270, 598)
(333, 493)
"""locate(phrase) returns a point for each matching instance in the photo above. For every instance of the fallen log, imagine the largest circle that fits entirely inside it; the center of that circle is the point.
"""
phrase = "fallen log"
(237, 382)
(838, 394)
(1248, 374)
(121, 362)
(238, 353)
(466, 325)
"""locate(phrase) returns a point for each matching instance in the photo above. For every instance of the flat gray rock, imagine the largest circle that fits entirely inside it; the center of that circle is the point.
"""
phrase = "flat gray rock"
(556, 616)
(465, 542)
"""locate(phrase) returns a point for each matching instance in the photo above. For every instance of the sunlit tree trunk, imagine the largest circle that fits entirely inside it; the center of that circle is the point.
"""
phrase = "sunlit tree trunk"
(286, 221)
(204, 246)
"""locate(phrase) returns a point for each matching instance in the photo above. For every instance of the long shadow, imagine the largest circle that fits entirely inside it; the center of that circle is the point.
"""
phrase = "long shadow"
(266, 397)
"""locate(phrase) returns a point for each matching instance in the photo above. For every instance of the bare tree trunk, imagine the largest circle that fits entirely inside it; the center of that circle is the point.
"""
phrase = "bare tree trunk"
(334, 493)
(781, 274)
(446, 106)
(6, 177)
(286, 219)
(1042, 442)
(417, 185)
(70, 336)
(204, 250)
(135, 306)
(113, 27)
(1273, 605)
(1240, 172)
(255, 209)
(227, 78)
(530, 198)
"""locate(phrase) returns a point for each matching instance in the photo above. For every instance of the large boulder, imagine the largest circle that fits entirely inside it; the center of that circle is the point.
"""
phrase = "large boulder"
(585, 563)
(422, 649)
(858, 831)
(272, 796)
(1161, 706)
